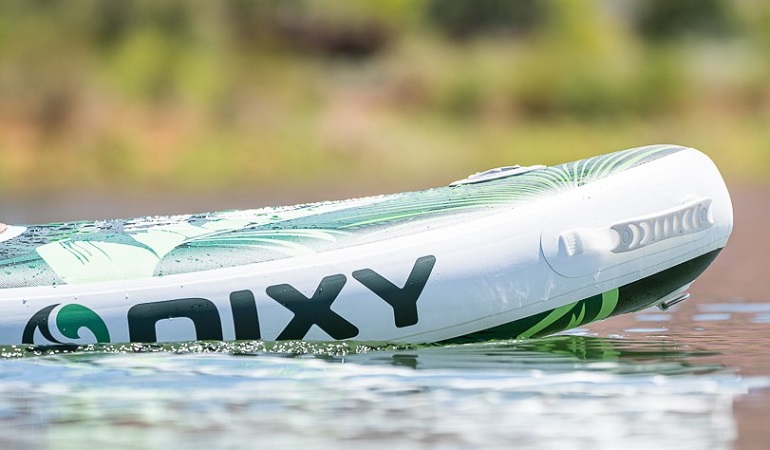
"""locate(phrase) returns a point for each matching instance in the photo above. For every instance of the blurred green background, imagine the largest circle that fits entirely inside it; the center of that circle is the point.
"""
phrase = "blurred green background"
(360, 97)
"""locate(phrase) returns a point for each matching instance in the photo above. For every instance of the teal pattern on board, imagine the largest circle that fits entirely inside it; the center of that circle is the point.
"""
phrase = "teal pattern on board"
(85, 252)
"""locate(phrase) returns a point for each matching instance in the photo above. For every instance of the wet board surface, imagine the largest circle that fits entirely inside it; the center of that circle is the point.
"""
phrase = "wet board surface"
(93, 251)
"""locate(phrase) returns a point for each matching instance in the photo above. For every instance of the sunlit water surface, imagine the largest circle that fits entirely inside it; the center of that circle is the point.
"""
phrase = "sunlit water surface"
(650, 380)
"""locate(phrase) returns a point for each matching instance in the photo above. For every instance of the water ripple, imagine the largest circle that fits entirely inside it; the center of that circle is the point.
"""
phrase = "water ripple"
(602, 393)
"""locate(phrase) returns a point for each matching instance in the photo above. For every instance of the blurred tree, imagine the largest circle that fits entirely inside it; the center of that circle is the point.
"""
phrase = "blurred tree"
(112, 21)
(335, 38)
(340, 28)
(462, 19)
(668, 19)
(761, 24)
(249, 23)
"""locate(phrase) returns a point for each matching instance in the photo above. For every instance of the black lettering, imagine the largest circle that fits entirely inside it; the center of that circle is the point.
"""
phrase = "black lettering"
(402, 300)
(39, 320)
(313, 311)
(142, 318)
(245, 317)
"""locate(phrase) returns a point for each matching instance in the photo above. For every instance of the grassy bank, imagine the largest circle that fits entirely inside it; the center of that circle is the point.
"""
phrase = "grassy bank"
(195, 96)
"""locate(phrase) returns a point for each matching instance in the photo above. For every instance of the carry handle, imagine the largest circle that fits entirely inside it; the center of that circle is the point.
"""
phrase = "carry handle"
(640, 232)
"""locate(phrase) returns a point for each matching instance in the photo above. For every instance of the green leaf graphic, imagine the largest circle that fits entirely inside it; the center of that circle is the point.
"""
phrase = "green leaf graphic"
(72, 317)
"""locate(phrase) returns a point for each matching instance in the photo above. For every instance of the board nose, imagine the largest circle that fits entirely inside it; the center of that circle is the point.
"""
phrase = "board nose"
(678, 205)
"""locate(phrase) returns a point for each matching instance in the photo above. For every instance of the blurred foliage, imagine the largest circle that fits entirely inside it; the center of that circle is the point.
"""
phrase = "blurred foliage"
(402, 93)
(463, 19)
(666, 19)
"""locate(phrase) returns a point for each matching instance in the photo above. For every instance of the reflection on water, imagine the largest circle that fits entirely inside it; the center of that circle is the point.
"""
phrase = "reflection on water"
(555, 354)
(552, 392)
(637, 389)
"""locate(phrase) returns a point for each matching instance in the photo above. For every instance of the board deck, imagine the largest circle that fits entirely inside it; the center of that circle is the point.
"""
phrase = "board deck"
(88, 252)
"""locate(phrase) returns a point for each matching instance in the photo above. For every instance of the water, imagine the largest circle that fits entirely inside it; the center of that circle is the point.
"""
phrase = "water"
(696, 376)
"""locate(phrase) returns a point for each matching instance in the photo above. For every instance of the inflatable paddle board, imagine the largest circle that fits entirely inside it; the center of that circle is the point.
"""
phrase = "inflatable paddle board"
(513, 252)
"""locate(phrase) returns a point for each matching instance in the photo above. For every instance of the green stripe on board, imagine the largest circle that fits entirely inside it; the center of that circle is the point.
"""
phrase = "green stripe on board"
(631, 297)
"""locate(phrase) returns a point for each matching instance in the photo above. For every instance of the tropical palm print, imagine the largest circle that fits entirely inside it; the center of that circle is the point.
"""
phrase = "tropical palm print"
(83, 252)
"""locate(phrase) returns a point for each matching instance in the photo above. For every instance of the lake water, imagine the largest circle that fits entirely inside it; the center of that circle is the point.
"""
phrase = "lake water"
(694, 377)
